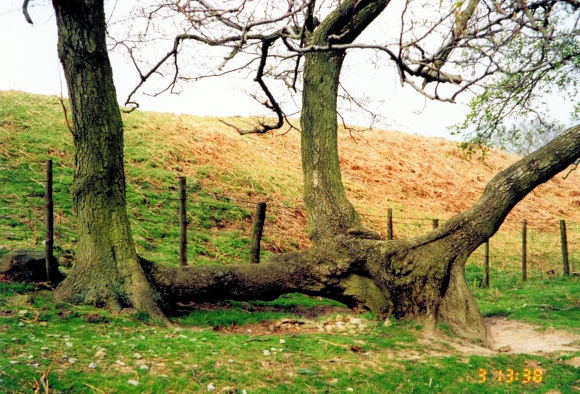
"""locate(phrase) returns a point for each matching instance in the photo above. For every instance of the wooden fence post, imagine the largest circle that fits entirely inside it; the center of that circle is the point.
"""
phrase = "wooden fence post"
(50, 262)
(389, 223)
(485, 282)
(257, 229)
(564, 241)
(524, 251)
(435, 223)
(183, 221)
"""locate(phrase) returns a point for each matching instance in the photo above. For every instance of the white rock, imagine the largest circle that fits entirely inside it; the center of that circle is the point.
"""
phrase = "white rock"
(72, 360)
(100, 354)
(92, 365)
(144, 368)
(282, 341)
(69, 344)
(210, 387)
(138, 356)
(20, 324)
(266, 352)
(133, 382)
(230, 361)
(349, 389)
(119, 362)
(44, 348)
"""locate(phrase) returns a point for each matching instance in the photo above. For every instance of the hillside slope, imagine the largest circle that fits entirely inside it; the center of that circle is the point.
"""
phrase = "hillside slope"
(419, 177)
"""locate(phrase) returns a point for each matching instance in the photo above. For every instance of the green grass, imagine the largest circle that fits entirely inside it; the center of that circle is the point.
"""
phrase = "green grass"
(90, 350)
(212, 344)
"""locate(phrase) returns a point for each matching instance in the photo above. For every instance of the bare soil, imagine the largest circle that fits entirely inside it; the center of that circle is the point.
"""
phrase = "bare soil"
(516, 337)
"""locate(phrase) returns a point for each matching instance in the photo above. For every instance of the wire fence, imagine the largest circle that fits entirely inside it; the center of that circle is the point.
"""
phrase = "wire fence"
(219, 228)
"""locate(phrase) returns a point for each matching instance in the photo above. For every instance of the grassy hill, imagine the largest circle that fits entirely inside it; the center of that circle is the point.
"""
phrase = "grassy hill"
(419, 178)
(286, 345)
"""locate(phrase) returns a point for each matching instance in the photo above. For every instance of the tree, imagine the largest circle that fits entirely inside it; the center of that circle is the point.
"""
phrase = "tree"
(106, 271)
(422, 277)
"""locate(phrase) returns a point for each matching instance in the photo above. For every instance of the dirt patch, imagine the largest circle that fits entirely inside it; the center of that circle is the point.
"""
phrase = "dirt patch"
(526, 338)
(516, 337)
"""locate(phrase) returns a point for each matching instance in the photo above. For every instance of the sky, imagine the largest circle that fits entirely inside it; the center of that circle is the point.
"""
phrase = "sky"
(30, 63)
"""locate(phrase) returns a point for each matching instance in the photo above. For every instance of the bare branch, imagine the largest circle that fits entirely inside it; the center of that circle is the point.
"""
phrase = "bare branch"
(25, 11)
(271, 103)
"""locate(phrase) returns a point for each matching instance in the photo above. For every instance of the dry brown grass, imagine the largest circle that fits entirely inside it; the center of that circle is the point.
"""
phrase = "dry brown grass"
(419, 177)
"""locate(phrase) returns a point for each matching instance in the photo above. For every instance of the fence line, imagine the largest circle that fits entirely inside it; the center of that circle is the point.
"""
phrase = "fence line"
(539, 249)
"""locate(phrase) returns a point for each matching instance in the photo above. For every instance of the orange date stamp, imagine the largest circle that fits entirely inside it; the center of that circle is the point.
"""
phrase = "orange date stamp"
(511, 375)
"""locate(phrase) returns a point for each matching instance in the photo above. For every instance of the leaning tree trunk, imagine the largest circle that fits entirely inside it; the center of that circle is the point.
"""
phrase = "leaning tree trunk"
(106, 271)
(422, 277)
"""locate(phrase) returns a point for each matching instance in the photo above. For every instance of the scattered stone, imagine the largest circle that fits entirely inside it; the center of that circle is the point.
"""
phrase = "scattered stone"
(92, 365)
(230, 361)
(349, 389)
(266, 352)
(133, 382)
(387, 323)
(72, 360)
(282, 341)
(210, 387)
(69, 344)
(138, 356)
(504, 349)
(144, 368)
(44, 348)
(119, 362)
(100, 354)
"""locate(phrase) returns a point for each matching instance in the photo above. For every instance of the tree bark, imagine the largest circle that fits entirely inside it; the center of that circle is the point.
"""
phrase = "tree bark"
(106, 271)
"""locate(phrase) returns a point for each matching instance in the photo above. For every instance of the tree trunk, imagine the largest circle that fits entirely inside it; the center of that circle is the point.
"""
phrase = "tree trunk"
(329, 211)
(106, 271)
(422, 277)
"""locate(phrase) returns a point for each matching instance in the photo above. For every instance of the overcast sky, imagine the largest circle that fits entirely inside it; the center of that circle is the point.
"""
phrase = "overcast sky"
(30, 63)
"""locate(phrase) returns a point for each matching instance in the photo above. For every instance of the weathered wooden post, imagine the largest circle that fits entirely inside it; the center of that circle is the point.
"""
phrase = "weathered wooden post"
(435, 223)
(183, 221)
(50, 262)
(389, 223)
(524, 251)
(564, 241)
(485, 282)
(257, 229)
